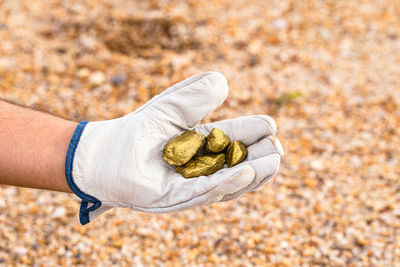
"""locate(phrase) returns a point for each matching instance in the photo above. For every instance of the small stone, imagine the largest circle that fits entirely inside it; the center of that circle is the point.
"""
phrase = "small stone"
(202, 165)
(33, 209)
(279, 24)
(317, 165)
(217, 141)
(118, 79)
(59, 212)
(20, 250)
(83, 73)
(361, 241)
(236, 153)
(182, 148)
(97, 78)
(253, 60)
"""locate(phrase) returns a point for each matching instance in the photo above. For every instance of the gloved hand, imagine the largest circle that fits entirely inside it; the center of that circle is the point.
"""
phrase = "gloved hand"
(118, 163)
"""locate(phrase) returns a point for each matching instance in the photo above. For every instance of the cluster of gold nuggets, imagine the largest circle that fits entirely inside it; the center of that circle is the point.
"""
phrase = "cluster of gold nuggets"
(187, 153)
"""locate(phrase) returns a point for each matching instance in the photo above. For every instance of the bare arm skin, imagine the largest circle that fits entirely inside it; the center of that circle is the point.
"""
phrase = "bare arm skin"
(33, 148)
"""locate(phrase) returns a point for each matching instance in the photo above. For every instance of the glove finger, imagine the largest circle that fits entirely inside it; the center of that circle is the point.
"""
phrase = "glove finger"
(180, 190)
(247, 129)
(266, 146)
(173, 88)
(205, 190)
(229, 185)
(185, 107)
(265, 168)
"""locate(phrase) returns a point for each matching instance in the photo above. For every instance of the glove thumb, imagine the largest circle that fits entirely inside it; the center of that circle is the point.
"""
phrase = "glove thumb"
(188, 105)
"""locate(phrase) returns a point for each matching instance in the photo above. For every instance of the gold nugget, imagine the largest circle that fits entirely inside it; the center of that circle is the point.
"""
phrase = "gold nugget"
(217, 141)
(202, 165)
(236, 153)
(182, 148)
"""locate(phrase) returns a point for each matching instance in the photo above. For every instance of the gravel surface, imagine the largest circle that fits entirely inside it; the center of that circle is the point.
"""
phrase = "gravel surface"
(328, 72)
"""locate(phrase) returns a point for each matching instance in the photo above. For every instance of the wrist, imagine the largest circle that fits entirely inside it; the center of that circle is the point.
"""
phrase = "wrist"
(34, 147)
(63, 131)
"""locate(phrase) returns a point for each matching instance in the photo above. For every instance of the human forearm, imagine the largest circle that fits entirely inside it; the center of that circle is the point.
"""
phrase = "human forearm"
(33, 146)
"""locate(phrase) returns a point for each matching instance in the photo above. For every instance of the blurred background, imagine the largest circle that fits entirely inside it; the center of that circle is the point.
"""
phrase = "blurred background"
(328, 72)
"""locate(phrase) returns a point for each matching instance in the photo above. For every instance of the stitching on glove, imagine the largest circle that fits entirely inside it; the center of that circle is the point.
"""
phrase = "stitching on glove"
(86, 199)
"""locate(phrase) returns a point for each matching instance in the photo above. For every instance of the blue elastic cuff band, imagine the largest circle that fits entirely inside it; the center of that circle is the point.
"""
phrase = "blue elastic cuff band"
(86, 199)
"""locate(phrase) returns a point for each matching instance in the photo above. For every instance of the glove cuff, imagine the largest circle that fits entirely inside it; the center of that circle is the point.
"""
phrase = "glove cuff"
(85, 208)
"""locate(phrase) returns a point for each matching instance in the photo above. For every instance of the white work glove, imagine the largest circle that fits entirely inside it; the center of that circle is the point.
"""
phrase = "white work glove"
(118, 163)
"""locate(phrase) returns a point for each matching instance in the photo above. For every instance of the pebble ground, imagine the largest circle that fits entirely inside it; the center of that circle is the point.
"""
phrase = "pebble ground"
(328, 72)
